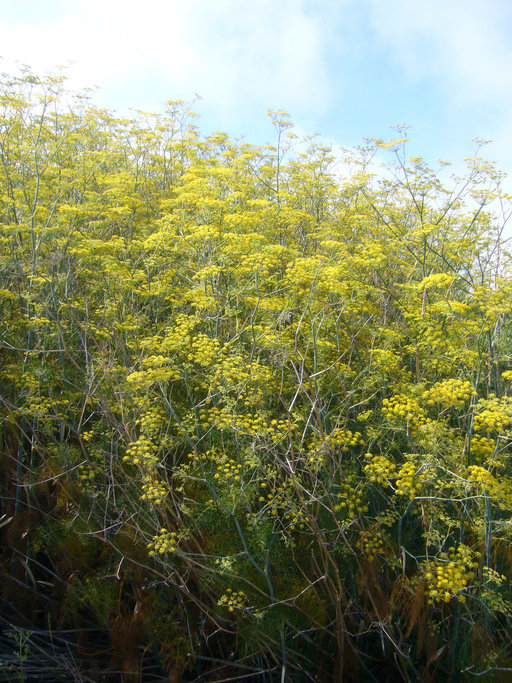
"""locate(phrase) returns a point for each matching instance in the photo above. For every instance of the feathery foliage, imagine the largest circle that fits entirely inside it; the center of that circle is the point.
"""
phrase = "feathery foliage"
(255, 419)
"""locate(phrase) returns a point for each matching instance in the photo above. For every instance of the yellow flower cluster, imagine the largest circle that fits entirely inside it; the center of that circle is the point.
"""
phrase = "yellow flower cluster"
(150, 422)
(400, 408)
(141, 452)
(500, 489)
(249, 380)
(338, 438)
(409, 480)
(490, 575)
(164, 542)
(296, 519)
(447, 353)
(303, 271)
(450, 573)
(351, 501)
(153, 489)
(385, 361)
(207, 272)
(228, 470)
(232, 370)
(252, 425)
(155, 369)
(482, 447)
(371, 543)
(482, 476)
(262, 262)
(89, 473)
(203, 350)
(493, 414)
(451, 393)
(379, 469)
(200, 300)
(435, 280)
(211, 454)
(38, 406)
(489, 483)
(274, 499)
(29, 381)
(236, 369)
(177, 335)
(86, 472)
(145, 378)
(293, 517)
(233, 600)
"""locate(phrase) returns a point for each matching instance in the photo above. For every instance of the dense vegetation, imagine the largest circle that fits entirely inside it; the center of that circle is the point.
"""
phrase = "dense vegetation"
(255, 416)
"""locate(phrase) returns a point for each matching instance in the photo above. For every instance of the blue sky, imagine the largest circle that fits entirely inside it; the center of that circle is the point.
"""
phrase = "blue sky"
(346, 69)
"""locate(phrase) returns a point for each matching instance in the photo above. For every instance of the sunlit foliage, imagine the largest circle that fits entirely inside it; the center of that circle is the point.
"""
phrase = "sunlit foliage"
(256, 414)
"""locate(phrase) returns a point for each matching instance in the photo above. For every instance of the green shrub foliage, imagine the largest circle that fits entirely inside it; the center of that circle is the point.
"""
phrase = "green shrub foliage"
(255, 413)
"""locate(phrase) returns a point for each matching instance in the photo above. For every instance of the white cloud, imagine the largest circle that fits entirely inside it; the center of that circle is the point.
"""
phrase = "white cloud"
(464, 47)
(230, 52)
(463, 43)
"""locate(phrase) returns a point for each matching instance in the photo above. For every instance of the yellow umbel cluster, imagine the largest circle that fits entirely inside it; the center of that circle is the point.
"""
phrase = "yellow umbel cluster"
(297, 520)
(234, 374)
(233, 600)
(38, 406)
(409, 481)
(482, 447)
(371, 543)
(164, 542)
(338, 438)
(452, 393)
(274, 499)
(203, 350)
(229, 470)
(499, 489)
(493, 414)
(450, 573)
(351, 501)
(86, 473)
(155, 370)
(379, 469)
(483, 477)
(177, 336)
(400, 408)
(276, 502)
(141, 452)
(89, 471)
(151, 421)
(153, 490)
(253, 424)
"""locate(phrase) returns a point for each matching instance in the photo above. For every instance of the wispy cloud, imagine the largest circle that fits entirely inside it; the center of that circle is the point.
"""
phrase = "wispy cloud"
(232, 53)
(463, 46)
(464, 43)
